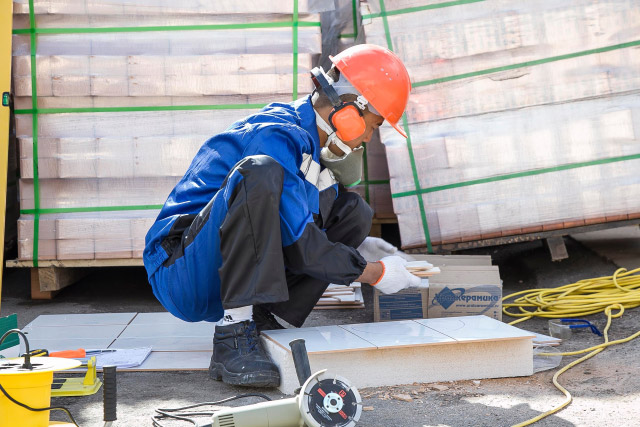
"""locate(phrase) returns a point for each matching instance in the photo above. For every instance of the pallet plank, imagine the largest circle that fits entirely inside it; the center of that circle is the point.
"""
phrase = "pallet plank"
(557, 248)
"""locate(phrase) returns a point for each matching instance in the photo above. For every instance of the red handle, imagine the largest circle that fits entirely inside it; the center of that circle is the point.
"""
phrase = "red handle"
(70, 354)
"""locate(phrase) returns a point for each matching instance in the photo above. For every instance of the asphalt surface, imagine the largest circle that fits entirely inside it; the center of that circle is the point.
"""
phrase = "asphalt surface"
(605, 388)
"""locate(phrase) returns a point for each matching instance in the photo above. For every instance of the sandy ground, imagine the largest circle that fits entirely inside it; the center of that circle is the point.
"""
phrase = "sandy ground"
(606, 389)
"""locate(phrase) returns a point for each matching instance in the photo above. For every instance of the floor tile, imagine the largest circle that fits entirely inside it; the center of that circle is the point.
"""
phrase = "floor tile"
(82, 319)
(175, 361)
(394, 334)
(320, 339)
(73, 332)
(474, 328)
(200, 329)
(166, 343)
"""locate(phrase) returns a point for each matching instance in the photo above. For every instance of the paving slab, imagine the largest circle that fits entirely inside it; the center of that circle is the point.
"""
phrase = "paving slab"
(619, 245)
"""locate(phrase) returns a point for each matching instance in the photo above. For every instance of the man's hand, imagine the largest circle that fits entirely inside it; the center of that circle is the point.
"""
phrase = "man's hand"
(395, 276)
(374, 249)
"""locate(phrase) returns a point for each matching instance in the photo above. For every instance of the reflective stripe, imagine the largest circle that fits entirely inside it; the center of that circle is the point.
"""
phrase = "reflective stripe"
(326, 180)
(311, 171)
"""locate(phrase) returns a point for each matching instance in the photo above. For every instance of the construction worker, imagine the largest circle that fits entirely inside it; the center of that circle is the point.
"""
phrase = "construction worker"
(259, 226)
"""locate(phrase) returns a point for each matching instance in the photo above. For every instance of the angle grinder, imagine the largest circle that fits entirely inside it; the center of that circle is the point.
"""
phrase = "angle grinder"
(324, 400)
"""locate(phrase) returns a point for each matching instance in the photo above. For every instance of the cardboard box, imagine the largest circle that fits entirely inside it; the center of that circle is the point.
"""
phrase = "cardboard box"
(406, 304)
(465, 300)
(459, 290)
(465, 291)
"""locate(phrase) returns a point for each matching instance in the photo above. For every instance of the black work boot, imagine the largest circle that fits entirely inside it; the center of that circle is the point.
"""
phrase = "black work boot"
(239, 359)
(265, 321)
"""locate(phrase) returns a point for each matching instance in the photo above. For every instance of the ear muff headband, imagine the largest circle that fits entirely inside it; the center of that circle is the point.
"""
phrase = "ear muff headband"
(346, 118)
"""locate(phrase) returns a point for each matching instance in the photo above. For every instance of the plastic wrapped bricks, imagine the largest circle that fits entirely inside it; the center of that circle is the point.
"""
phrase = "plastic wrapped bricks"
(114, 97)
(523, 117)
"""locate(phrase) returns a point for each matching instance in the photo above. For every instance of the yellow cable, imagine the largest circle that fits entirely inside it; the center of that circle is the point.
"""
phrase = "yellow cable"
(590, 296)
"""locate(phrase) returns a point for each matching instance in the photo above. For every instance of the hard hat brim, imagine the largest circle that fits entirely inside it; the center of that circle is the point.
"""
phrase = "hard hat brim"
(399, 129)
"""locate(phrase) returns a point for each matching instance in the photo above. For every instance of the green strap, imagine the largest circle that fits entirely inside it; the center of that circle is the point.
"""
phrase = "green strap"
(376, 181)
(137, 109)
(365, 170)
(281, 24)
(405, 124)
(518, 175)
(527, 63)
(383, 13)
(354, 14)
(294, 28)
(34, 120)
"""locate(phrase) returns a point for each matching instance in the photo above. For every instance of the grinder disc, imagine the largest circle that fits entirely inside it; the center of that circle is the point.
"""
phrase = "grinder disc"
(330, 401)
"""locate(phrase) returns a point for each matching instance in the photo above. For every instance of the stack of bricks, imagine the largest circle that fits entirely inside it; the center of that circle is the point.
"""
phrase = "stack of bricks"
(126, 93)
(523, 117)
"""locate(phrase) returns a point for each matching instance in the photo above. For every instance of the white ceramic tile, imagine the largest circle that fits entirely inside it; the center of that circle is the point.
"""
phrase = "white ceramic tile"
(174, 361)
(166, 343)
(320, 339)
(82, 319)
(156, 318)
(73, 332)
(474, 328)
(67, 344)
(200, 329)
(400, 333)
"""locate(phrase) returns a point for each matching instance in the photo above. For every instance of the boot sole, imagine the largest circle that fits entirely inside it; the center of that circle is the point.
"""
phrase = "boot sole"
(253, 379)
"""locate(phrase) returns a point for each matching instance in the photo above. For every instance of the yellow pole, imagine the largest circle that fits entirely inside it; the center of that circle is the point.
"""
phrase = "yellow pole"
(6, 15)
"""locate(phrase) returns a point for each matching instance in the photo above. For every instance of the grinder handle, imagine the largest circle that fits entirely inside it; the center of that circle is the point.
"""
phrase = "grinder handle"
(300, 360)
(109, 390)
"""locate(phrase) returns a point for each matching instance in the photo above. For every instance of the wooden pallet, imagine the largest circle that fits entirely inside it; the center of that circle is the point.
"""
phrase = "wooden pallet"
(50, 276)
(376, 225)
(553, 236)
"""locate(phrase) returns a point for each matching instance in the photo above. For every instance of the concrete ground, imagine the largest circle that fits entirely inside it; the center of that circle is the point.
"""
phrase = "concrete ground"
(620, 245)
(606, 388)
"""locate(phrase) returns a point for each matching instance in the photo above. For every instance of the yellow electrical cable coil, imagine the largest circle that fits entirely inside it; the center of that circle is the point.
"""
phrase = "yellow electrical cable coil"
(589, 296)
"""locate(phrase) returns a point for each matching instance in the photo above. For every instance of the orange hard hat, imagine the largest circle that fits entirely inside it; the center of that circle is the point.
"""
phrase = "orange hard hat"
(380, 76)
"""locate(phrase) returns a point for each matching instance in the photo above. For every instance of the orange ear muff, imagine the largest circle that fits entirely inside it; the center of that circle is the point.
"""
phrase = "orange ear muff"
(348, 122)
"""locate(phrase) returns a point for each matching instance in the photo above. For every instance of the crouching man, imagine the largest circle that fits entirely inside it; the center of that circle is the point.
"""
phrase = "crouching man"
(259, 226)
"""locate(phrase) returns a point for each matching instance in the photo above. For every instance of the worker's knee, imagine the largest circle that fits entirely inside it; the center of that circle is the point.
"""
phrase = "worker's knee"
(350, 220)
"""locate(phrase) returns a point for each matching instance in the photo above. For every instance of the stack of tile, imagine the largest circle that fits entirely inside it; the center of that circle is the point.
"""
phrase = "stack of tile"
(523, 117)
(339, 296)
(126, 93)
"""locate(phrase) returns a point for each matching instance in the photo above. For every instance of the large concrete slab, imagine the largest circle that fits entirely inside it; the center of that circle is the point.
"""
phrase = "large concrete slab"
(619, 245)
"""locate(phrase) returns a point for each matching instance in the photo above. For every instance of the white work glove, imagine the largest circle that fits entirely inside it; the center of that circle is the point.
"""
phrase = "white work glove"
(374, 249)
(395, 276)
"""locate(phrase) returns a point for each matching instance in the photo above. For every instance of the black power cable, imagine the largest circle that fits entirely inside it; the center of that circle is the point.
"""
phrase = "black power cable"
(175, 413)
(27, 365)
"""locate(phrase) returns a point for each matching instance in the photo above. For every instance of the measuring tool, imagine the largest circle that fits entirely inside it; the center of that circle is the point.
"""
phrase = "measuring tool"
(25, 388)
